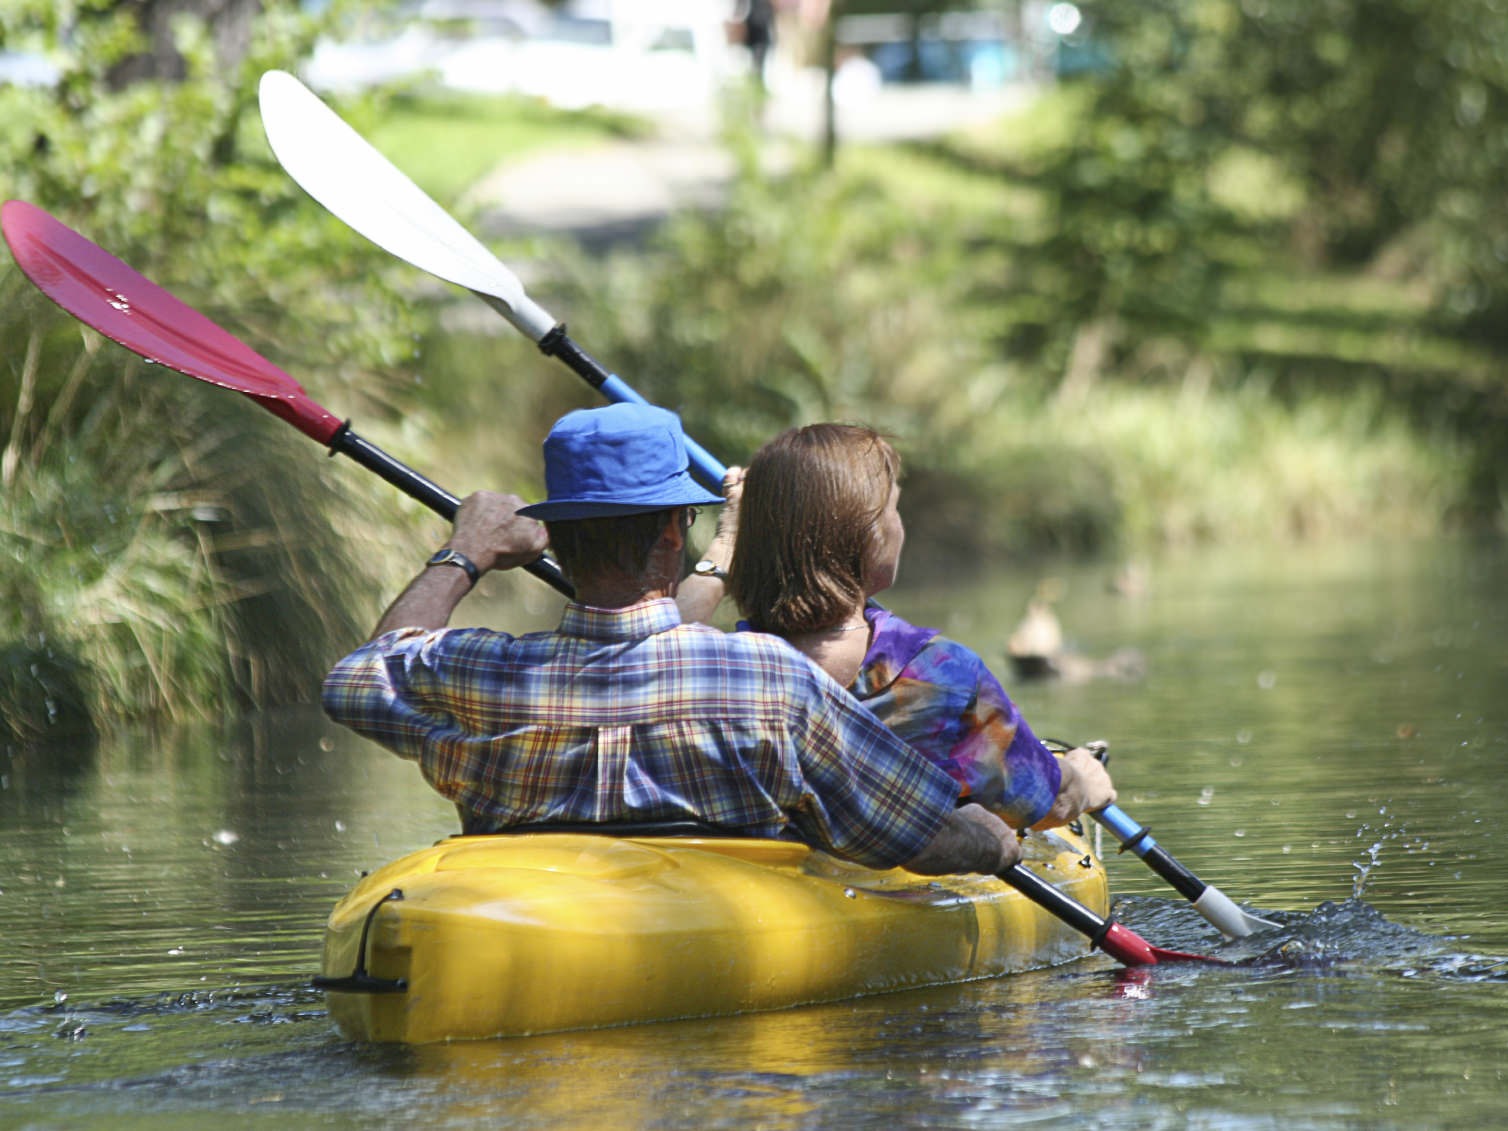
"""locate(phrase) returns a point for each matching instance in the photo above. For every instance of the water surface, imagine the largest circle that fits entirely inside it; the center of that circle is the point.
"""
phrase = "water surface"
(1319, 732)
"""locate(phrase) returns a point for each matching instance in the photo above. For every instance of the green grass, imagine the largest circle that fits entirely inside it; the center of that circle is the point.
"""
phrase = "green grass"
(448, 141)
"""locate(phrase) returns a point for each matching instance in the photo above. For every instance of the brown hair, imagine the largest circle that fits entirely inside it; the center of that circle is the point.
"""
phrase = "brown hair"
(594, 547)
(811, 499)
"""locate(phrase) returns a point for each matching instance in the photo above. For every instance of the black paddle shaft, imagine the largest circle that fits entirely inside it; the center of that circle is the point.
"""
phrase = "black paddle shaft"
(1066, 908)
(428, 492)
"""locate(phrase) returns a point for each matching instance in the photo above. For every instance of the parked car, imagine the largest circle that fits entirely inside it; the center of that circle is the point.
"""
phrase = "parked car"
(634, 61)
(389, 44)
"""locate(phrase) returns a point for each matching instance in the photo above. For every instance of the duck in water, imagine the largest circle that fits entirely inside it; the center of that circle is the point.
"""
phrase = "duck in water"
(1036, 649)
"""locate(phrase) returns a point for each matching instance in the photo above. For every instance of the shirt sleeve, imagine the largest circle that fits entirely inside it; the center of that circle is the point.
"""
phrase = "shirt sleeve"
(872, 799)
(941, 698)
(375, 692)
(1019, 777)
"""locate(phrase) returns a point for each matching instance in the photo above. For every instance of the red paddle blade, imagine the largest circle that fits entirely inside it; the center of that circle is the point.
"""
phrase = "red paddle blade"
(1185, 956)
(1126, 946)
(103, 292)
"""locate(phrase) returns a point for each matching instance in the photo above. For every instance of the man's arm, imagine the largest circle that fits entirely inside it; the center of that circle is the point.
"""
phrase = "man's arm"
(971, 839)
(492, 535)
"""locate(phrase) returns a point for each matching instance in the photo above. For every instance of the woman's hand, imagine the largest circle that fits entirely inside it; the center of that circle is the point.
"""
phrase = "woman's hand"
(1086, 786)
(699, 595)
(720, 549)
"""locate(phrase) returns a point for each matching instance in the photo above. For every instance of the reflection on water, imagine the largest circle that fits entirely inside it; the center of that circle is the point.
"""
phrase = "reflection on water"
(1319, 733)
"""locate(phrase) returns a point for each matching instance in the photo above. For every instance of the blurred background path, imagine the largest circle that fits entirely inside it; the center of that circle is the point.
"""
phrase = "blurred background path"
(615, 192)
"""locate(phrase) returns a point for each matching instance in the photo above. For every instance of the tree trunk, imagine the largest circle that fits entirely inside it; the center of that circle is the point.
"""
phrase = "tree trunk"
(229, 21)
(830, 73)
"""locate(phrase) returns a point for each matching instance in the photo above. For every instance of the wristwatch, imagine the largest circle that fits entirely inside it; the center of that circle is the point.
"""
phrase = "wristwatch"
(709, 568)
(457, 559)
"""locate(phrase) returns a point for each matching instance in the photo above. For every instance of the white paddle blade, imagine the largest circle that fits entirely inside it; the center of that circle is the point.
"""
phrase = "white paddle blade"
(1219, 909)
(342, 171)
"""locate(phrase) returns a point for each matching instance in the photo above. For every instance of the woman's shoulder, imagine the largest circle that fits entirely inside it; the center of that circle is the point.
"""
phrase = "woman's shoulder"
(904, 645)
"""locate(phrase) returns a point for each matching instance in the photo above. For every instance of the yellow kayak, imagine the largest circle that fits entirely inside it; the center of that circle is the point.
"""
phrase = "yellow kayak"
(490, 936)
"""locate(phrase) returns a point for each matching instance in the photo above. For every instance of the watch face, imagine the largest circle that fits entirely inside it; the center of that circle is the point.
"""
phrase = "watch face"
(455, 558)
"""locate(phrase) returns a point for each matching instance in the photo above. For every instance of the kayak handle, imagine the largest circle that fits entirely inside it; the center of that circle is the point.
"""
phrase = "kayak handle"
(359, 981)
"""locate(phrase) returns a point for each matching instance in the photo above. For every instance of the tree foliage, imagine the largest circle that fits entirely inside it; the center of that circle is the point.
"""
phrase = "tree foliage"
(1390, 115)
(159, 540)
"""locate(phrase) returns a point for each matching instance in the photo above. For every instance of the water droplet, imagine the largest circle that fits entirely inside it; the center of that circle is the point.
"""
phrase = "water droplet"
(225, 837)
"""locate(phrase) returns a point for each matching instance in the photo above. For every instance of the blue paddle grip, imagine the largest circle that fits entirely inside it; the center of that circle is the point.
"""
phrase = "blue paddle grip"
(1125, 830)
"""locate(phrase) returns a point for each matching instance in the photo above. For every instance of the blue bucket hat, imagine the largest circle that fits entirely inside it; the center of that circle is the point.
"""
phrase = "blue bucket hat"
(619, 460)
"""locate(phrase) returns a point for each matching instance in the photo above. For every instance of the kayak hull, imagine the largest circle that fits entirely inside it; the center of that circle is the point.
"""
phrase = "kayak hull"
(496, 936)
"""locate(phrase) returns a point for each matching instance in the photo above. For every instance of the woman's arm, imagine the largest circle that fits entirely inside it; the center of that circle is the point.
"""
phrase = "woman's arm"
(699, 594)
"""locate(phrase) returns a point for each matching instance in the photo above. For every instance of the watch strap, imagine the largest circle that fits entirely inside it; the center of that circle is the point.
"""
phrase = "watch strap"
(709, 568)
(458, 559)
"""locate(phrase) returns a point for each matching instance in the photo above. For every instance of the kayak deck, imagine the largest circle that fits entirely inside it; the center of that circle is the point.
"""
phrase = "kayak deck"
(487, 936)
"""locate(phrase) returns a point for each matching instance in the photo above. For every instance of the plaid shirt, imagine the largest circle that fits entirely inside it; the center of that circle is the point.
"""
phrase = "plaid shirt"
(630, 715)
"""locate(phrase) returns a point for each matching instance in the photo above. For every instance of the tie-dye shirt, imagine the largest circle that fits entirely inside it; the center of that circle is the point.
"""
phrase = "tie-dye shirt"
(940, 697)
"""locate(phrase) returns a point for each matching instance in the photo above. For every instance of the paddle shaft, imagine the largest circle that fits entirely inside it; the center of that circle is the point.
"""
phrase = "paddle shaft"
(1120, 942)
(431, 494)
(1137, 838)
(708, 470)
(1212, 903)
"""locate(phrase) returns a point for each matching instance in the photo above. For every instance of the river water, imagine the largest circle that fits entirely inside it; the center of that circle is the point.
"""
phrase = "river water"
(1318, 731)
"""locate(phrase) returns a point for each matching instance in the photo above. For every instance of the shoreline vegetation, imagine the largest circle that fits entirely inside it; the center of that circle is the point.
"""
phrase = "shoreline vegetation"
(1073, 361)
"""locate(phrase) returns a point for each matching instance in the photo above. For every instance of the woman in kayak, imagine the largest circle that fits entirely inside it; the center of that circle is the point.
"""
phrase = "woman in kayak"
(817, 535)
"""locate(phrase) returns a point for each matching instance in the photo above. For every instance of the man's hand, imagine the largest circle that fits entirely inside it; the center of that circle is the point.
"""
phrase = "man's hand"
(972, 839)
(489, 531)
(1086, 787)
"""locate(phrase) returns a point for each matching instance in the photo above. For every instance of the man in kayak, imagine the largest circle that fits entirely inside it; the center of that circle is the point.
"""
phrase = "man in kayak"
(625, 716)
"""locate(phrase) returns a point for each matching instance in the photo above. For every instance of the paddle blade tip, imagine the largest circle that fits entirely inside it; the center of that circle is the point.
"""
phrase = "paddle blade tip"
(1127, 947)
(18, 219)
(274, 81)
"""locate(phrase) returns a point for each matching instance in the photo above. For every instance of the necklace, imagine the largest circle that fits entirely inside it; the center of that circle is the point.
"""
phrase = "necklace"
(839, 628)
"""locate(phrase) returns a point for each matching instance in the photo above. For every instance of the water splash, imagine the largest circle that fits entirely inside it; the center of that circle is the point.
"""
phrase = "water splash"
(1336, 937)
(1388, 831)
(1364, 868)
